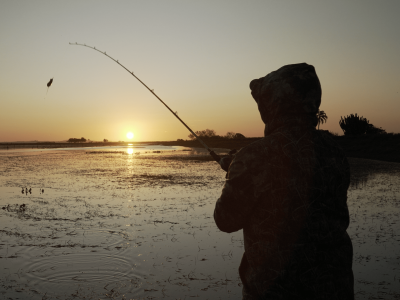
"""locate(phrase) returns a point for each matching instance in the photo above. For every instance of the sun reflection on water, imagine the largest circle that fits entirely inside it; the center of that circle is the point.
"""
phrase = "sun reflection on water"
(129, 150)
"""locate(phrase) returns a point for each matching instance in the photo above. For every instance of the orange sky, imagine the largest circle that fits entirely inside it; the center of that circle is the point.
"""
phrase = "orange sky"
(199, 57)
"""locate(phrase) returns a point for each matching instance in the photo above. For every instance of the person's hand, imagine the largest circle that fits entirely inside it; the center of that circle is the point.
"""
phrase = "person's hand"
(225, 162)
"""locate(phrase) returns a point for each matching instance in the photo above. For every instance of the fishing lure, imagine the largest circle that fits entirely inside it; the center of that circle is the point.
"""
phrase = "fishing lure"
(48, 85)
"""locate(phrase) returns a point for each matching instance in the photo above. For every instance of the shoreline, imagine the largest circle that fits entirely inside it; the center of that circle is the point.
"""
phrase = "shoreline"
(375, 147)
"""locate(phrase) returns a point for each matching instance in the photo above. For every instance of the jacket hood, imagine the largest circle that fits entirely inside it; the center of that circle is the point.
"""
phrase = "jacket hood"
(288, 98)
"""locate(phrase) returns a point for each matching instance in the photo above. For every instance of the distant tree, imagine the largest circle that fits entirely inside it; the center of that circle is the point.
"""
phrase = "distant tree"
(105, 141)
(211, 134)
(207, 133)
(179, 140)
(191, 136)
(229, 135)
(322, 117)
(75, 140)
(354, 125)
(239, 136)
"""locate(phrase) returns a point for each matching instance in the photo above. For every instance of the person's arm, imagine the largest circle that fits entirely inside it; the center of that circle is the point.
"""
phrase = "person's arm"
(237, 200)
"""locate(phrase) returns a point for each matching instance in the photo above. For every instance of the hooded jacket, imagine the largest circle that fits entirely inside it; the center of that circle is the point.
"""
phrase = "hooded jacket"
(288, 192)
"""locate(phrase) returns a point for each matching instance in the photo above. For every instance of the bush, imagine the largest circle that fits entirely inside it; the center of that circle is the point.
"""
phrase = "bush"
(374, 130)
(211, 134)
(207, 133)
(75, 140)
(354, 125)
(239, 136)
(229, 135)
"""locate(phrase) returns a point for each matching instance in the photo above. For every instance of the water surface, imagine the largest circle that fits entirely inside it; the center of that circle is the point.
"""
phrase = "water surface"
(115, 224)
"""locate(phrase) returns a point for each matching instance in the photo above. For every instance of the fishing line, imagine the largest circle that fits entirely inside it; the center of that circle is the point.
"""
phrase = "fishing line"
(212, 153)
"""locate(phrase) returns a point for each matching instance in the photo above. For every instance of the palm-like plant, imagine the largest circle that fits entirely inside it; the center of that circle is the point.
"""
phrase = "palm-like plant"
(322, 117)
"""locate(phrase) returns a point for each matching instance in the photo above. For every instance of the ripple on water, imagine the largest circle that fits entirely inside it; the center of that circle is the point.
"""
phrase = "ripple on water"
(57, 273)
(95, 237)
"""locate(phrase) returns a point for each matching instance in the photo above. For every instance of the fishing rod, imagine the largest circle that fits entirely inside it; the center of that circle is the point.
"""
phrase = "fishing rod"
(212, 153)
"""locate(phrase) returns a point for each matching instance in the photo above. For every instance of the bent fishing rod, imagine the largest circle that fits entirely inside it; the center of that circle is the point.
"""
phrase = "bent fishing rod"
(212, 153)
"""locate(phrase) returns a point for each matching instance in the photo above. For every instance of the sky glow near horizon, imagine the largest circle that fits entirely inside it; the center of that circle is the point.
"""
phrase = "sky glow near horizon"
(199, 57)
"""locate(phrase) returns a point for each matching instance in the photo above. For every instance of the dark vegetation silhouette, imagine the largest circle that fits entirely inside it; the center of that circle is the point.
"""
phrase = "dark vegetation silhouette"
(322, 117)
(207, 133)
(75, 140)
(105, 141)
(374, 130)
(361, 139)
(356, 125)
(230, 135)
(211, 134)
(239, 136)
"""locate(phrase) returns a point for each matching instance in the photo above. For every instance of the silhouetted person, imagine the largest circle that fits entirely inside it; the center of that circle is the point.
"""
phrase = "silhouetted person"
(26, 191)
(23, 190)
(30, 190)
(42, 191)
(288, 192)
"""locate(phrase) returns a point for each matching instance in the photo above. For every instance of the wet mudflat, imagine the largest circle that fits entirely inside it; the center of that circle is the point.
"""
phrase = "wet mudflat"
(374, 206)
(126, 226)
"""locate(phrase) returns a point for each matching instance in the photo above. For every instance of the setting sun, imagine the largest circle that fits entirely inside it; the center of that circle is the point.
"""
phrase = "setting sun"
(129, 135)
